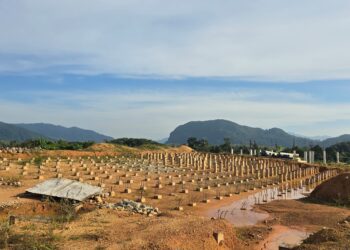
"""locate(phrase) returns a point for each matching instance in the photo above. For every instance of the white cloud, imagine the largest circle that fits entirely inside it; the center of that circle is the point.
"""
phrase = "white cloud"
(270, 39)
(156, 114)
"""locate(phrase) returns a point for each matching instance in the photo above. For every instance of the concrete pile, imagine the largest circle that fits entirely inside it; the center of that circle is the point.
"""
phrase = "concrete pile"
(135, 207)
(17, 150)
(9, 182)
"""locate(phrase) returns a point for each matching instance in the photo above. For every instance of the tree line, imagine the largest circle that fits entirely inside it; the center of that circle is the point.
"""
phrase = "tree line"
(47, 144)
(202, 145)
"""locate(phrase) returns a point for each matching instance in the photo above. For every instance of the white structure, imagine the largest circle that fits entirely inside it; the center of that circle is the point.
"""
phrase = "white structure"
(305, 156)
(65, 188)
(288, 155)
(338, 157)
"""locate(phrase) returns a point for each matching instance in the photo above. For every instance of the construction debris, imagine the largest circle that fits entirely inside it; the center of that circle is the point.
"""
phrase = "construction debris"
(133, 206)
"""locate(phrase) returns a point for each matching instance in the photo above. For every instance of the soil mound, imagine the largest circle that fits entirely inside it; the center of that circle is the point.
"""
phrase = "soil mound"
(324, 235)
(335, 190)
(102, 147)
(185, 149)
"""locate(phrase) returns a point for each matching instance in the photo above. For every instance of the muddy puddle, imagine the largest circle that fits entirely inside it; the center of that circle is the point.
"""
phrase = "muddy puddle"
(240, 213)
(285, 237)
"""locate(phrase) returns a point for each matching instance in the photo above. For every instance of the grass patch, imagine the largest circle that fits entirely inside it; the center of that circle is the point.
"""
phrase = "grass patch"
(64, 211)
(9, 239)
(94, 236)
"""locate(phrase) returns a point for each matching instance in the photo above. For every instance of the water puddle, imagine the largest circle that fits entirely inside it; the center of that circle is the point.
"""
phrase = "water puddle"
(284, 237)
(240, 213)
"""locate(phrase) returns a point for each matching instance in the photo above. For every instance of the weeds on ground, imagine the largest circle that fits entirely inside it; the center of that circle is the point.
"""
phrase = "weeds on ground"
(65, 211)
(9, 239)
(27, 241)
(38, 161)
(4, 234)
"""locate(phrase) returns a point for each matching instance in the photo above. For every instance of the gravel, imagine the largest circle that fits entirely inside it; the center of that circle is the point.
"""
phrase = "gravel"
(133, 206)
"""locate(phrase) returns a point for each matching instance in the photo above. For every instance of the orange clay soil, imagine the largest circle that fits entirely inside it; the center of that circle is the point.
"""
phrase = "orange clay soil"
(99, 149)
(334, 190)
(111, 229)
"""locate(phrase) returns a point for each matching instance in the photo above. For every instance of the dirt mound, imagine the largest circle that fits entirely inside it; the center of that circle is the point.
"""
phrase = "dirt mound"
(180, 149)
(324, 235)
(335, 190)
(185, 149)
(102, 147)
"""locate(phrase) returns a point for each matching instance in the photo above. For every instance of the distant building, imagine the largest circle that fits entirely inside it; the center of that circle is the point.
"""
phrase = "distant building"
(292, 156)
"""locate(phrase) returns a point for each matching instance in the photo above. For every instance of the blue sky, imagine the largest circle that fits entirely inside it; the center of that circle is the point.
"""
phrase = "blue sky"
(140, 68)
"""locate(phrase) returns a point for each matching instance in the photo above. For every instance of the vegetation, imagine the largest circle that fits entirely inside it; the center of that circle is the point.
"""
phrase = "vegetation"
(33, 238)
(65, 212)
(55, 132)
(10, 132)
(24, 132)
(203, 145)
(4, 234)
(214, 131)
(10, 239)
(343, 148)
(48, 144)
(135, 142)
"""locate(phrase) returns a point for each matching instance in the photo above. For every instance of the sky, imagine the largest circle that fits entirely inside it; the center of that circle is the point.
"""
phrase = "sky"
(139, 68)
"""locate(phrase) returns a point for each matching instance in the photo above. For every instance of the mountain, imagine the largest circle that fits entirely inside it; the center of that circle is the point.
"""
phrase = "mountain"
(62, 133)
(332, 141)
(320, 137)
(10, 132)
(316, 138)
(216, 130)
(163, 141)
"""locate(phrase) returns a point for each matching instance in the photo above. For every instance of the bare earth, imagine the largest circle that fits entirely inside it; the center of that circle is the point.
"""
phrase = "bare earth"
(188, 229)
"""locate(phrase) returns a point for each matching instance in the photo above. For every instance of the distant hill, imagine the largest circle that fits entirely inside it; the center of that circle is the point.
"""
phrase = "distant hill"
(9, 132)
(316, 138)
(320, 137)
(62, 133)
(332, 141)
(162, 141)
(216, 130)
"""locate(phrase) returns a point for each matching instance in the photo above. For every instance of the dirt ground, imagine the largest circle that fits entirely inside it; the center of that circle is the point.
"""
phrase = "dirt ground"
(308, 217)
(111, 229)
(99, 149)
(95, 228)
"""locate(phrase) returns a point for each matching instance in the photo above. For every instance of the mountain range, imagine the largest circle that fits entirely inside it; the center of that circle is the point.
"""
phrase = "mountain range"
(23, 132)
(213, 130)
(216, 130)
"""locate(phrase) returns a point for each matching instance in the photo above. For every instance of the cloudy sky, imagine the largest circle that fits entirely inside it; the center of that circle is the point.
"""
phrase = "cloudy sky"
(139, 68)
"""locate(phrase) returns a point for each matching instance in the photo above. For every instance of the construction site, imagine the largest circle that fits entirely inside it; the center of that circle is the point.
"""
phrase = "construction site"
(173, 198)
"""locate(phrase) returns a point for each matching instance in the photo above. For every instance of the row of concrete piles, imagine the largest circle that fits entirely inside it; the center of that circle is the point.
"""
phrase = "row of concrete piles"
(54, 165)
(320, 177)
(309, 156)
(237, 165)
